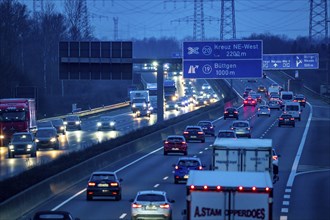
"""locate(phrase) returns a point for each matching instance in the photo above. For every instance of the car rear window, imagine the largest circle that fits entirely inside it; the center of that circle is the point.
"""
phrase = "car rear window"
(193, 129)
(23, 137)
(150, 198)
(204, 123)
(175, 139)
(188, 163)
(240, 124)
(292, 108)
(226, 134)
(100, 177)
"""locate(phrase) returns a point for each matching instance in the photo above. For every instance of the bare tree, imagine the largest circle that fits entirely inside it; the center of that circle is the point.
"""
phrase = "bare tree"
(78, 19)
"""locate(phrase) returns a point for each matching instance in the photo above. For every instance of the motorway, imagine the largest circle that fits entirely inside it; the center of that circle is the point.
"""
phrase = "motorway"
(302, 191)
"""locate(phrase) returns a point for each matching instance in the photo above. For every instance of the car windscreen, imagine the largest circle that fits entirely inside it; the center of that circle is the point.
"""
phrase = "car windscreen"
(150, 198)
(226, 134)
(18, 138)
(45, 133)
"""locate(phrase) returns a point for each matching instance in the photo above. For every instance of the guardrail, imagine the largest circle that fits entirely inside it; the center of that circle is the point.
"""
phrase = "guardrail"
(92, 111)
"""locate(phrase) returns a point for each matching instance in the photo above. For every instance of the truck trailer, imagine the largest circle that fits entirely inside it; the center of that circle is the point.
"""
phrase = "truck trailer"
(232, 195)
(140, 102)
(244, 155)
(16, 115)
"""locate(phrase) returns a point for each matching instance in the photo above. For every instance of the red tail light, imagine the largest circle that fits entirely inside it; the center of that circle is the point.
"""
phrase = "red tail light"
(226, 112)
(164, 206)
(186, 132)
(254, 188)
(292, 119)
(91, 184)
(280, 119)
(295, 100)
(235, 112)
(183, 142)
(166, 142)
(240, 188)
(205, 187)
(245, 101)
(134, 205)
(274, 157)
(114, 184)
(200, 132)
(200, 167)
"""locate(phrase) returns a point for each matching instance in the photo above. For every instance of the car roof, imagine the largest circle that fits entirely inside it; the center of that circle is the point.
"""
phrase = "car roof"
(158, 192)
(205, 121)
(22, 133)
(104, 173)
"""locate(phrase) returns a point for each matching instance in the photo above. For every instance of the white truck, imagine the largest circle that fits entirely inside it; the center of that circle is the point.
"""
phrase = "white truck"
(231, 195)
(243, 155)
(140, 102)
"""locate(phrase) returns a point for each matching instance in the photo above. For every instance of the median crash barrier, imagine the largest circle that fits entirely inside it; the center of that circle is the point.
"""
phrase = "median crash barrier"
(34, 196)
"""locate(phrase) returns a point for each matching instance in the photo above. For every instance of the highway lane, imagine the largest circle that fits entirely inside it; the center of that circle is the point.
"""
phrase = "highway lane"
(88, 136)
(156, 169)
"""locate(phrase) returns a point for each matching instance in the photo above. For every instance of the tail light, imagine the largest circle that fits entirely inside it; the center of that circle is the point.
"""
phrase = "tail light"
(185, 132)
(247, 128)
(200, 167)
(183, 142)
(274, 157)
(226, 112)
(245, 101)
(280, 119)
(235, 112)
(91, 184)
(114, 184)
(166, 142)
(134, 205)
(200, 132)
(164, 206)
(292, 119)
(258, 109)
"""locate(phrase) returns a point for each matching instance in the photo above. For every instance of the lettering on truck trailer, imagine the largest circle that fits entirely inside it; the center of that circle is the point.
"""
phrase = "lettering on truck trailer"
(246, 213)
(205, 211)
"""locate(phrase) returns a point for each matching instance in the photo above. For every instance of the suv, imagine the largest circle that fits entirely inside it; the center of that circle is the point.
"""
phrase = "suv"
(301, 99)
(72, 122)
(151, 204)
(242, 128)
(184, 165)
(207, 126)
(104, 183)
(47, 138)
(194, 132)
(175, 144)
(59, 125)
(106, 123)
(230, 112)
(22, 143)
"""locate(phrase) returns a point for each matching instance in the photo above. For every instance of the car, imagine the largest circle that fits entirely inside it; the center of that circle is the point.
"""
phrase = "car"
(194, 132)
(294, 109)
(230, 112)
(171, 105)
(53, 215)
(72, 122)
(208, 127)
(183, 102)
(286, 97)
(286, 119)
(252, 80)
(226, 134)
(183, 166)
(248, 89)
(104, 184)
(47, 138)
(262, 88)
(245, 94)
(255, 96)
(277, 86)
(22, 143)
(242, 128)
(151, 204)
(274, 104)
(206, 86)
(301, 99)
(263, 110)
(274, 96)
(59, 125)
(43, 124)
(106, 123)
(201, 100)
(175, 144)
(250, 101)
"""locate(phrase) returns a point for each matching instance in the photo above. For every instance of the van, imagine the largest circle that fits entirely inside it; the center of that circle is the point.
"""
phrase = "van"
(286, 96)
(294, 109)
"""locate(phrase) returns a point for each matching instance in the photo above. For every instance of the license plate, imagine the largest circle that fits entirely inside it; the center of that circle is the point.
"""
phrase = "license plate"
(105, 190)
(193, 136)
(286, 120)
(175, 148)
(103, 185)
(231, 115)
(151, 207)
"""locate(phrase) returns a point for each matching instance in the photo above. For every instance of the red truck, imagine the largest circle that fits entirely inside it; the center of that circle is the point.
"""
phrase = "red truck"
(16, 115)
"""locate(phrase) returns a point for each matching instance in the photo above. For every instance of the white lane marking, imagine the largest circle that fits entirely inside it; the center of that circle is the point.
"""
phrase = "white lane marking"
(283, 217)
(120, 169)
(300, 149)
(66, 201)
(155, 186)
(165, 178)
(200, 152)
(123, 215)
(287, 190)
(286, 196)
(285, 210)
(286, 203)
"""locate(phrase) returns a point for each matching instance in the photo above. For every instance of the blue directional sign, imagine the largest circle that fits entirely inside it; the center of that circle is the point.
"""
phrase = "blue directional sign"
(223, 59)
(291, 61)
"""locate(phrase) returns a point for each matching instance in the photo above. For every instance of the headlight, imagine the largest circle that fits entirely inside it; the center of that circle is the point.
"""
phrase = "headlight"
(99, 124)
(144, 105)
(29, 146)
(11, 147)
(2, 136)
(133, 105)
(77, 122)
(53, 139)
(37, 140)
(176, 105)
(65, 122)
(112, 123)
(62, 128)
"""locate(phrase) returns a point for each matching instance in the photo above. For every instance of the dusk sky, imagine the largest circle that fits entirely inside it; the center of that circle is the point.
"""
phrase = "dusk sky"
(158, 18)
